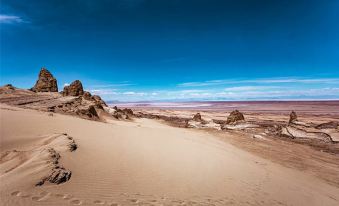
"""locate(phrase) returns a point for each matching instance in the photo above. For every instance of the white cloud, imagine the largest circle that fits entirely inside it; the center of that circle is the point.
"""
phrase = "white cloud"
(251, 88)
(10, 19)
(268, 89)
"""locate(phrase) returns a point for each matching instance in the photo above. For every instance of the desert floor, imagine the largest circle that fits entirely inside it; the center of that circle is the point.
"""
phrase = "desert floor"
(145, 162)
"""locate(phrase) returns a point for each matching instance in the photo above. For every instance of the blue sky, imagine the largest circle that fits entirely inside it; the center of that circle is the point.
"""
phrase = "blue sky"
(132, 50)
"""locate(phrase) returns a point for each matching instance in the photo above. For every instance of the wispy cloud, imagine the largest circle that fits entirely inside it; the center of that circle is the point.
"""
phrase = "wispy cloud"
(260, 81)
(124, 84)
(10, 19)
(251, 88)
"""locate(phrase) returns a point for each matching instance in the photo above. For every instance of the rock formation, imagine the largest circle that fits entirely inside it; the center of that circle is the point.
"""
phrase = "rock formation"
(328, 125)
(99, 101)
(197, 117)
(87, 96)
(128, 111)
(122, 113)
(88, 112)
(9, 86)
(74, 89)
(293, 117)
(234, 117)
(46, 82)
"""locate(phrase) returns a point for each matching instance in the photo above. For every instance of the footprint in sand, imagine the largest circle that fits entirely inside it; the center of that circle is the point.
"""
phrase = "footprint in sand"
(36, 198)
(42, 196)
(67, 197)
(98, 202)
(43, 193)
(59, 195)
(114, 204)
(75, 202)
(24, 195)
(15, 193)
(20, 194)
(133, 200)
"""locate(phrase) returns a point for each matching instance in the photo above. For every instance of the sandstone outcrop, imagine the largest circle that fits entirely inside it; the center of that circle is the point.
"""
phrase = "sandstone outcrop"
(293, 117)
(74, 89)
(328, 125)
(46, 82)
(98, 100)
(88, 112)
(234, 117)
(197, 117)
(9, 86)
(122, 113)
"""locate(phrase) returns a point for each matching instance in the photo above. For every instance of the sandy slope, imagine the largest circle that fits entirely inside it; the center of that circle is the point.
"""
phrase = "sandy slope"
(145, 163)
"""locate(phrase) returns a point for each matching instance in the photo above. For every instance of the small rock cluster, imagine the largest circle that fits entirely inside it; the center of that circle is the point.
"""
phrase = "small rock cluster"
(122, 113)
(234, 117)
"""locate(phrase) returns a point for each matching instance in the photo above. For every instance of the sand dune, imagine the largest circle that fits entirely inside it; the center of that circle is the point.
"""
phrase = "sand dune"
(141, 163)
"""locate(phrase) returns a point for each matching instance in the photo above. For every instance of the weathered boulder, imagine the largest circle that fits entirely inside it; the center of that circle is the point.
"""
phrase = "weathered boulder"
(74, 89)
(46, 82)
(197, 117)
(293, 117)
(234, 117)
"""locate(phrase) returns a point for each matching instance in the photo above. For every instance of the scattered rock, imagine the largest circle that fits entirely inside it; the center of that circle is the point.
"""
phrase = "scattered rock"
(46, 82)
(293, 117)
(328, 125)
(197, 117)
(128, 111)
(274, 130)
(122, 113)
(74, 89)
(57, 176)
(72, 145)
(234, 117)
(117, 115)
